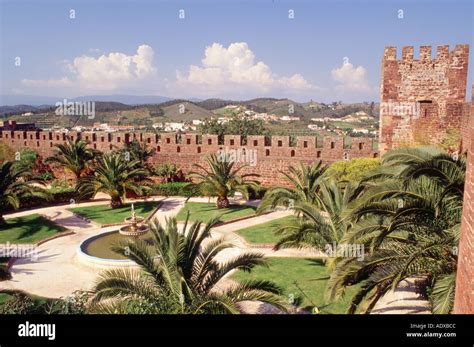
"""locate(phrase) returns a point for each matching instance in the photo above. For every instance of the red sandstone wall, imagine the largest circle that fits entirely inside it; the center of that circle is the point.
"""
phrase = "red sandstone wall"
(270, 157)
(436, 89)
(464, 300)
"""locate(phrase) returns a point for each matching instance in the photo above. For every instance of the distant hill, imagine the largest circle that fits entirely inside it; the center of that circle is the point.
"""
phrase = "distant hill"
(9, 110)
(120, 113)
(35, 100)
(172, 112)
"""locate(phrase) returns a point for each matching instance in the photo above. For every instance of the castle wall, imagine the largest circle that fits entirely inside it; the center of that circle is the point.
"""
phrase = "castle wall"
(421, 99)
(464, 298)
(268, 154)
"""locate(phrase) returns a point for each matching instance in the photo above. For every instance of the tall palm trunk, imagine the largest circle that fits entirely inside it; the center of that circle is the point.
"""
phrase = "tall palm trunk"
(222, 202)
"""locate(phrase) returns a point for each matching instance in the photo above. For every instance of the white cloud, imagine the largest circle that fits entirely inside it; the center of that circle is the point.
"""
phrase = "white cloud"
(350, 78)
(235, 70)
(107, 72)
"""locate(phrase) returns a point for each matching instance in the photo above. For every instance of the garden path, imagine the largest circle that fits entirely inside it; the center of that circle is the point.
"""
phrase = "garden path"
(58, 273)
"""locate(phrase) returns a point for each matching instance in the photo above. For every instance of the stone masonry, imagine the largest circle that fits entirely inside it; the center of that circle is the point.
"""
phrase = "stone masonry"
(464, 299)
(422, 99)
(268, 154)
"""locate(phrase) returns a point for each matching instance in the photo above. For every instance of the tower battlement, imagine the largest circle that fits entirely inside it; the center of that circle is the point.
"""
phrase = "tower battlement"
(443, 53)
(432, 89)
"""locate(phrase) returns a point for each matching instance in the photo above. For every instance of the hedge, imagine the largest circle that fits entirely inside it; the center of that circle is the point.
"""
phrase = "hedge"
(63, 196)
(175, 189)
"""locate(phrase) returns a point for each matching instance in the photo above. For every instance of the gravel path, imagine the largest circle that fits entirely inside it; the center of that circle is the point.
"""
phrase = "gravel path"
(58, 273)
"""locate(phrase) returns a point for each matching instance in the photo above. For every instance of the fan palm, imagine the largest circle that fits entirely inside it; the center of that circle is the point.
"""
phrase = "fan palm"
(303, 183)
(409, 221)
(139, 152)
(74, 156)
(180, 273)
(113, 176)
(321, 224)
(222, 179)
(15, 183)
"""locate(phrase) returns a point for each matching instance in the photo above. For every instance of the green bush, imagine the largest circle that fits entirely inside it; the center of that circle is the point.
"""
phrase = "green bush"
(167, 171)
(175, 189)
(352, 170)
(60, 185)
(20, 303)
(57, 196)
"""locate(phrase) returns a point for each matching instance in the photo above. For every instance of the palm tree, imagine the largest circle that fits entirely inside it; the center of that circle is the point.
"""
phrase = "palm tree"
(304, 184)
(15, 183)
(321, 224)
(139, 152)
(114, 176)
(74, 157)
(180, 273)
(409, 222)
(222, 179)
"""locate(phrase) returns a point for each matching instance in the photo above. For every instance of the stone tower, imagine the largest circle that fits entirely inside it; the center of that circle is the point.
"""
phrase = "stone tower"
(421, 99)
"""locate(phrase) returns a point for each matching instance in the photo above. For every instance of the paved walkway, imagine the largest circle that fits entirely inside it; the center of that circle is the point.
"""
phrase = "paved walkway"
(58, 273)
(403, 300)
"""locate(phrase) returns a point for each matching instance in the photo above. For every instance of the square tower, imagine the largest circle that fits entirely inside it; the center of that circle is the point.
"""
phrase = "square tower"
(422, 99)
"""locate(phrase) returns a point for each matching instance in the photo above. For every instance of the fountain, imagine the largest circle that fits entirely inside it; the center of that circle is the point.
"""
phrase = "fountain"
(135, 226)
(97, 250)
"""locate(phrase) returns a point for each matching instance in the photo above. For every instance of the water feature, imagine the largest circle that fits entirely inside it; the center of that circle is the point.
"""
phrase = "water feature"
(97, 250)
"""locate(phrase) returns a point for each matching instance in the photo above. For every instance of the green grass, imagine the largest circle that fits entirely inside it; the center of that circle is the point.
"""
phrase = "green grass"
(286, 271)
(4, 297)
(205, 211)
(265, 232)
(104, 214)
(28, 229)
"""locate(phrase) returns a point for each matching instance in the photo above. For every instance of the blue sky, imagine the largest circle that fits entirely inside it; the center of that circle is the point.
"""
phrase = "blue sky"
(254, 48)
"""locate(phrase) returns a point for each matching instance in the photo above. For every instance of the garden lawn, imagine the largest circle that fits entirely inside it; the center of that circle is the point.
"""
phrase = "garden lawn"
(284, 272)
(104, 214)
(205, 211)
(265, 232)
(4, 297)
(28, 229)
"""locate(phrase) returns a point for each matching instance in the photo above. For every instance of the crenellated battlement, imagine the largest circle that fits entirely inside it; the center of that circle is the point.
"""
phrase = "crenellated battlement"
(271, 153)
(442, 54)
(433, 89)
(271, 146)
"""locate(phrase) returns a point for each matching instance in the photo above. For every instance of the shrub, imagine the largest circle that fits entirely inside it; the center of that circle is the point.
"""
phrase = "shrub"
(352, 170)
(20, 303)
(60, 185)
(166, 171)
(175, 188)
(77, 303)
(6, 153)
(57, 196)
(30, 160)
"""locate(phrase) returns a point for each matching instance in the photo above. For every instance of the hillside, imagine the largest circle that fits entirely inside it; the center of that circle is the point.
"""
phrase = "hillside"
(117, 113)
